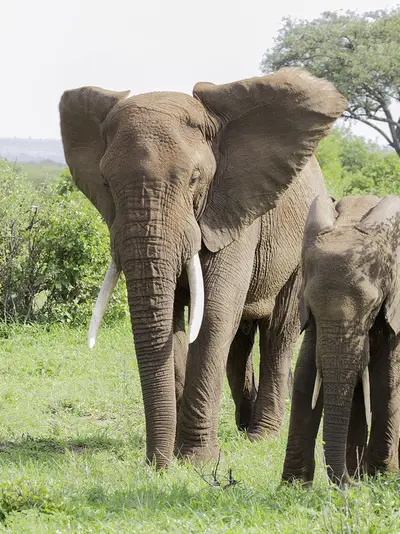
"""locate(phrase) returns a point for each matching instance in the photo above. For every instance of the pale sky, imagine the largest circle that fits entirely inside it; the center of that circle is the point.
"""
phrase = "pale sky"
(48, 46)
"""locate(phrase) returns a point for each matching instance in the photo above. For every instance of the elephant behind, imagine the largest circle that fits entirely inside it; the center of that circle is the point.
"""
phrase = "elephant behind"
(349, 362)
(173, 176)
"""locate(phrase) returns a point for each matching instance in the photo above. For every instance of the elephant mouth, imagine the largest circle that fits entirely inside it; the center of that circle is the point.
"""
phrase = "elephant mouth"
(196, 287)
(366, 391)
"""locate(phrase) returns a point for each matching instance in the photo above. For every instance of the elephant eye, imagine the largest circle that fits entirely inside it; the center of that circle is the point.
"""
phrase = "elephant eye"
(195, 177)
(105, 182)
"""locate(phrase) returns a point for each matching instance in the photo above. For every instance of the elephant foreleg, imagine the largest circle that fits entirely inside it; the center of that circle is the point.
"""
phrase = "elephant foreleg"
(278, 335)
(383, 446)
(227, 276)
(240, 372)
(304, 421)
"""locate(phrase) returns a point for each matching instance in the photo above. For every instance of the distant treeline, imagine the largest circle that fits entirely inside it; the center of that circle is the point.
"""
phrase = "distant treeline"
(32, 150)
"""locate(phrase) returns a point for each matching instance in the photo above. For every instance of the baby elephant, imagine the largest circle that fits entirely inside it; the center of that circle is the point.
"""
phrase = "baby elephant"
(349, 362)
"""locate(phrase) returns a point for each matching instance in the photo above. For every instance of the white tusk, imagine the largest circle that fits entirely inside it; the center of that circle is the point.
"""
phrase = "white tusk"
(367, 395)
(317, 387)
(196, 286)
(110, 281)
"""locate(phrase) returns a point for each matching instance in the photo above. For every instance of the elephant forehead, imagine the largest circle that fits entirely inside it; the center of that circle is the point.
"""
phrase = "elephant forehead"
(352, 209)
(162, 107)
(351, 261)
(342, 243)
(157, 135)
(159, 131)
(156, 152)
(341, 281)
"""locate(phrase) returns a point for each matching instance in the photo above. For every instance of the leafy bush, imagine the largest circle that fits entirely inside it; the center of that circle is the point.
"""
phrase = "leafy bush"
(54, 251)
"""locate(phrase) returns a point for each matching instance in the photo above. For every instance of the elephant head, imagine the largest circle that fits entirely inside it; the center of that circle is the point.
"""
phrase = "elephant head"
(168, 171)
(350, 274)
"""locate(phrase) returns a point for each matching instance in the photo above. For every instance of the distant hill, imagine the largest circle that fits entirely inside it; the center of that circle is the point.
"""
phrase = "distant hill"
(32, 150)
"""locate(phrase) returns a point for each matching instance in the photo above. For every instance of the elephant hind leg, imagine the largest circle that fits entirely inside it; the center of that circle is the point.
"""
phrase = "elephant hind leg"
(304, 421)
(278, 335)
(227, 277)
(240, 373)
(383, 445)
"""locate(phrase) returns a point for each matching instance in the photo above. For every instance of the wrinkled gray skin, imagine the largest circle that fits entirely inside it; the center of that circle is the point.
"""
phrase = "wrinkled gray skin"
(350, 309)
(172, 174)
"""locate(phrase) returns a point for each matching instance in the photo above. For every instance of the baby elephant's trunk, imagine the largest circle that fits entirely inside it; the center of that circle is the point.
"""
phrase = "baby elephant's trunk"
(340, 363)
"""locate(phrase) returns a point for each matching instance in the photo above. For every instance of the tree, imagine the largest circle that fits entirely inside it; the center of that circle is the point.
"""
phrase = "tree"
(360, 54)
(353, 166)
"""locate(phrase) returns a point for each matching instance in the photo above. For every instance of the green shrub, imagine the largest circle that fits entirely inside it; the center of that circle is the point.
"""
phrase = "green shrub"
(54, 251)
(21, 494)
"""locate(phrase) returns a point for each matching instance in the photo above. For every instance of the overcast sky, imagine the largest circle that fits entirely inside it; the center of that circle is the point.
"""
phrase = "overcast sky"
(48, 46)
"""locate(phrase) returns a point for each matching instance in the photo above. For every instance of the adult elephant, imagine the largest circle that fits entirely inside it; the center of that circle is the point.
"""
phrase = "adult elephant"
(350, 357)
(171, 173)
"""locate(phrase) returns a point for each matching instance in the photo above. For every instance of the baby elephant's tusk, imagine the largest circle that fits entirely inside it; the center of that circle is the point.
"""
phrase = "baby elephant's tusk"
(367, 395)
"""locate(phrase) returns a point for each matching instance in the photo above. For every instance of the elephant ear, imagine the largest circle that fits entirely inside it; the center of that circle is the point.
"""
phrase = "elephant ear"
(321, 218)
(269, 128)
(385, 218)
(392, 303)
(82, 113)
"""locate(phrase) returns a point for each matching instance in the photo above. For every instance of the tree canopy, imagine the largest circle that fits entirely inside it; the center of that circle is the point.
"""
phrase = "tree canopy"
(360, 54)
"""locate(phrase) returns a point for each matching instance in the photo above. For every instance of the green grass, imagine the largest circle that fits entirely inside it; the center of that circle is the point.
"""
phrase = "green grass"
(72, 451)
(38, 173)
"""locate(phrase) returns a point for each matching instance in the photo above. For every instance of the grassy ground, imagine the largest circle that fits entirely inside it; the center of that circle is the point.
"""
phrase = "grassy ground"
(39, 173)
(72, 456)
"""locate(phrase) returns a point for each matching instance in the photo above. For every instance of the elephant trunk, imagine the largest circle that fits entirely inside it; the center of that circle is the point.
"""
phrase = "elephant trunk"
(151, 302)
(339, 362)
(337, 408)
(156, 237)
